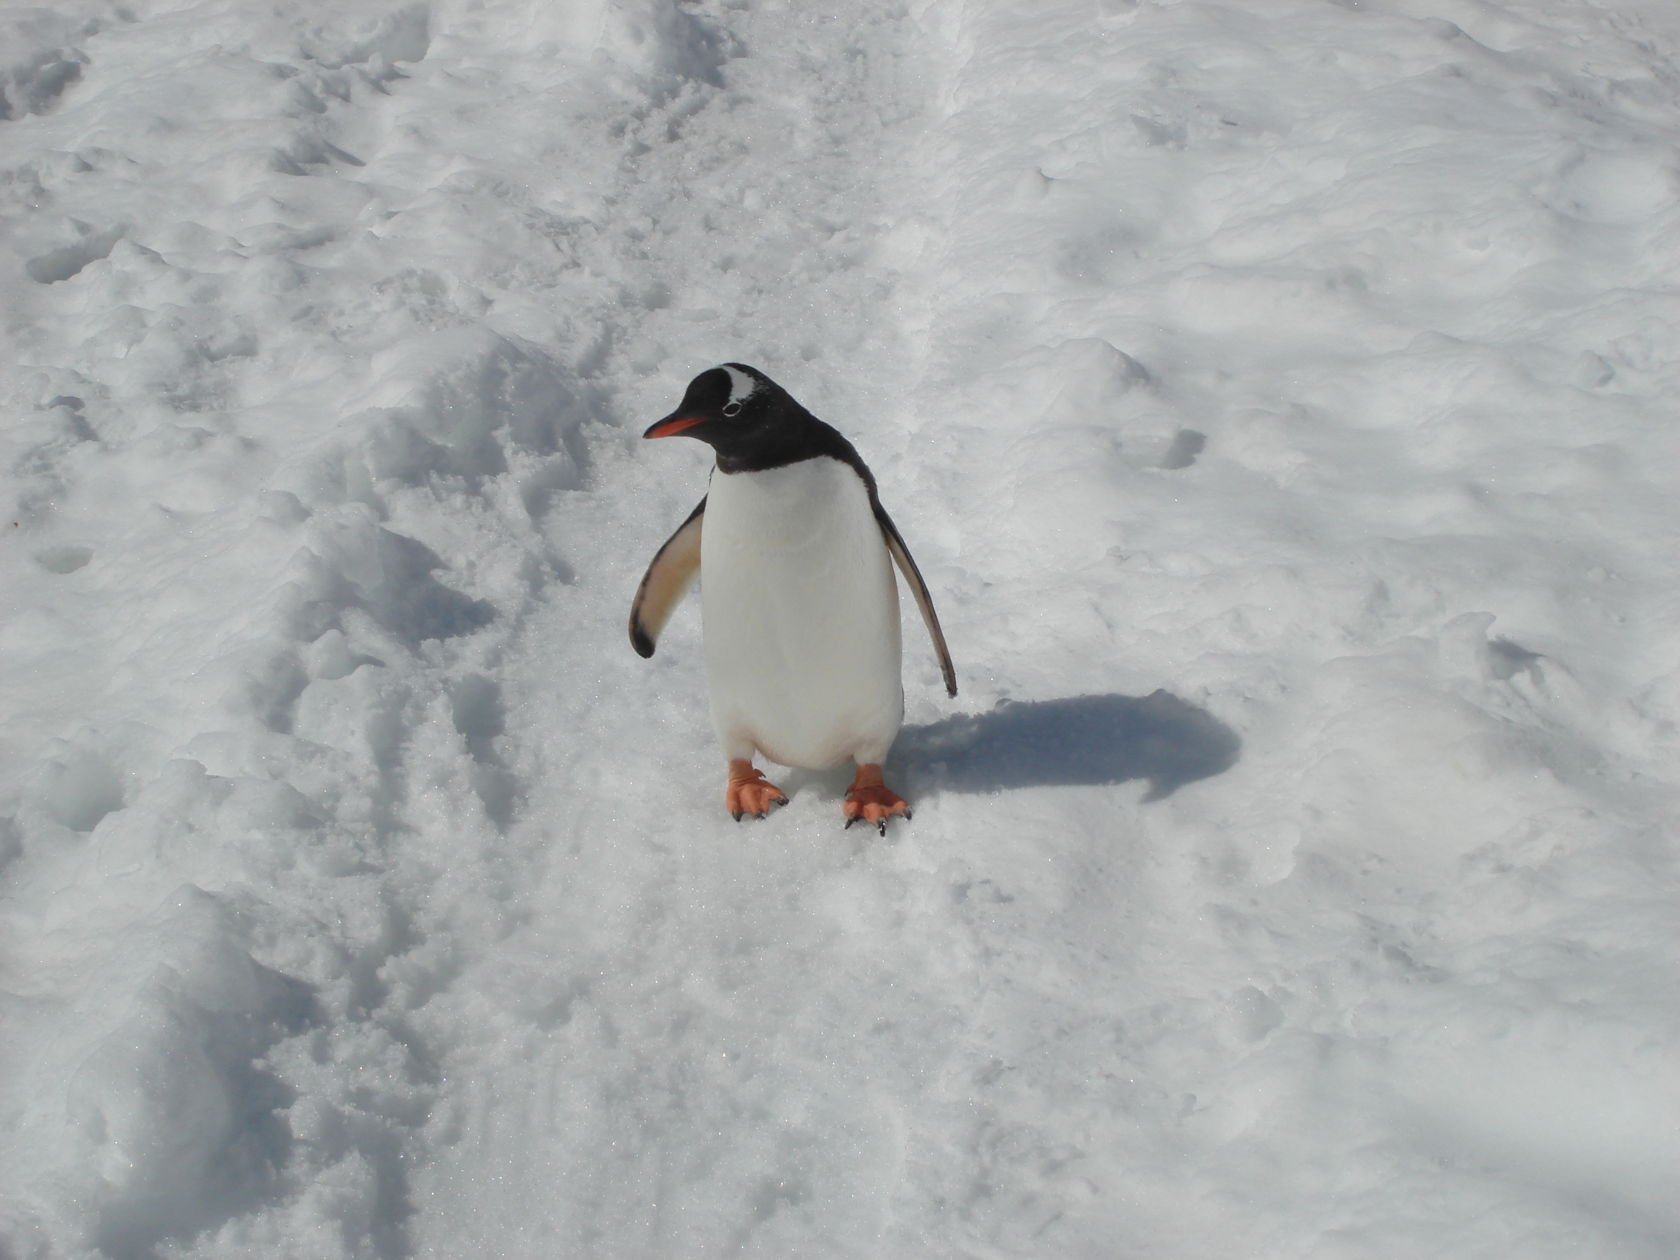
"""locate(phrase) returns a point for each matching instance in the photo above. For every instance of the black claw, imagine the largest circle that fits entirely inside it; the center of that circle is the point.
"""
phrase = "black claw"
(735, 814)
(850, 821)
(907, 815)
(781, 800)
(882, 824)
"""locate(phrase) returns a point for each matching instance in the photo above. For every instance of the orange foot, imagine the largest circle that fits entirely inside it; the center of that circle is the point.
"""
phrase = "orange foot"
(869, 800)
(749, 792)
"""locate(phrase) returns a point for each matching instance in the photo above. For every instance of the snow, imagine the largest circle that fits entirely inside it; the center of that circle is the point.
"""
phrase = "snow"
(1277, 399)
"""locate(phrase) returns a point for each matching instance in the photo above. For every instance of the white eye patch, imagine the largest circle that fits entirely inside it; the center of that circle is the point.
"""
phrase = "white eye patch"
(741, 387)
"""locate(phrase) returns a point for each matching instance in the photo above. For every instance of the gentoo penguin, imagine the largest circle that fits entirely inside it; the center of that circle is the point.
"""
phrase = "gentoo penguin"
(798, 607)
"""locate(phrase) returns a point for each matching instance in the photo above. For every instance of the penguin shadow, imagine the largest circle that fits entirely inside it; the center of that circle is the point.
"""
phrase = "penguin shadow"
(1078, 740)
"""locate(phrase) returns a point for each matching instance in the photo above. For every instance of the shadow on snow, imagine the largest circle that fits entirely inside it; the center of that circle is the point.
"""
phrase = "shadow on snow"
(1077, 740)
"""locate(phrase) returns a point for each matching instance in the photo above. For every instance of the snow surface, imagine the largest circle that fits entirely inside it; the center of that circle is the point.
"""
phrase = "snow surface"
(1279, 398)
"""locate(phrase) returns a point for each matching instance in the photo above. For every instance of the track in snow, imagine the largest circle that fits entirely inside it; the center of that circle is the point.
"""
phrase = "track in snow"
(1276, 403)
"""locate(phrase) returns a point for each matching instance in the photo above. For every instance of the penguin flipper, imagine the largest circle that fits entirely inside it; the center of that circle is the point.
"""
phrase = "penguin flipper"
(918, 588)
(669, 575)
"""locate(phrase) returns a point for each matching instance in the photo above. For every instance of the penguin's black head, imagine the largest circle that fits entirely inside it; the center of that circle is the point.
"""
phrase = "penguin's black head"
(743, 414)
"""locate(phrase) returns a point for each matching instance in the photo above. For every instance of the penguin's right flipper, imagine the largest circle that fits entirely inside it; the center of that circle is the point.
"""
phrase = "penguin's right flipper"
(671, 572)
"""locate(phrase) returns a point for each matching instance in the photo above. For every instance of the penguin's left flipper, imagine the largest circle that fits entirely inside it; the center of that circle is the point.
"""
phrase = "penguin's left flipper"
(669, 575)
(918, 588)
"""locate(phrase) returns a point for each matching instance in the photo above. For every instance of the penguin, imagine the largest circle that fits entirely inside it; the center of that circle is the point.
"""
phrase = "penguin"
(799, 607)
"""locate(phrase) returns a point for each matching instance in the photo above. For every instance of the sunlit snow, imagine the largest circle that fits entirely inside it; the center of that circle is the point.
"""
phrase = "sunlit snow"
(1279, 397)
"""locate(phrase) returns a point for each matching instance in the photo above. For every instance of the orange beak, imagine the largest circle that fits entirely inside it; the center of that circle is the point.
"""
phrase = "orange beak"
(672, 425)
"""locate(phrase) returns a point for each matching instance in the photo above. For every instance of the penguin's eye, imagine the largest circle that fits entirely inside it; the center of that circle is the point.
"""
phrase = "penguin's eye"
(731, 408)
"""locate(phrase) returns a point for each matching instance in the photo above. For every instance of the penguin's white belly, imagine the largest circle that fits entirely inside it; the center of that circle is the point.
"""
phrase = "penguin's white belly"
(800, 615)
